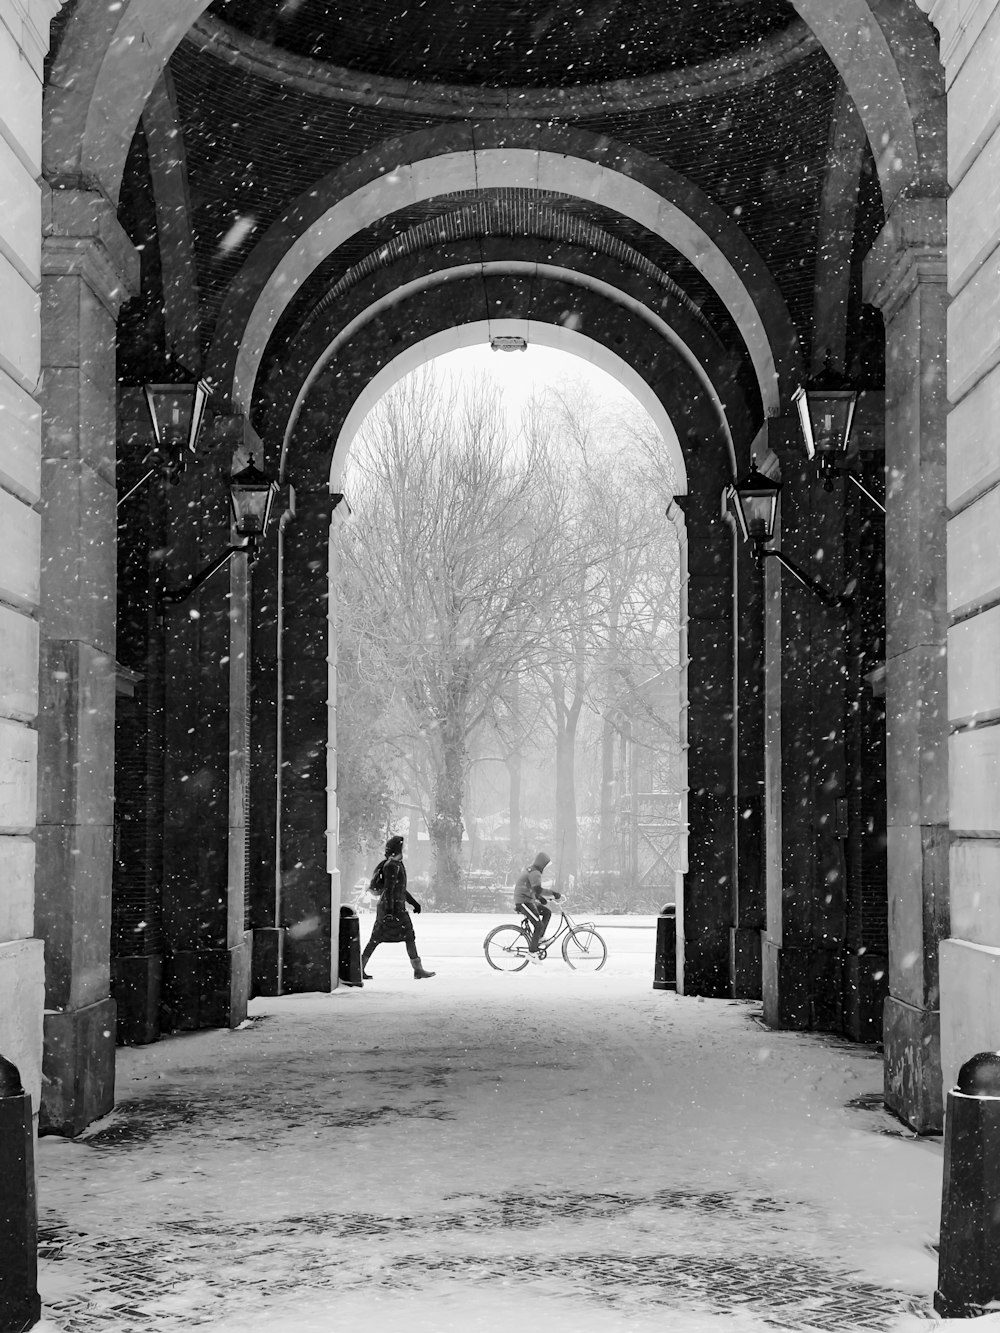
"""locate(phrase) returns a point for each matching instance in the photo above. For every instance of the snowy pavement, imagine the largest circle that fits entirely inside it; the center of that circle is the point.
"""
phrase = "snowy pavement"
(544, 1150)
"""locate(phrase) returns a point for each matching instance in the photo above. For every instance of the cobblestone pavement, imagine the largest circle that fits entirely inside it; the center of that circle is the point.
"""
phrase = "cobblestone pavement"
(167, 1280)
(336, 1151)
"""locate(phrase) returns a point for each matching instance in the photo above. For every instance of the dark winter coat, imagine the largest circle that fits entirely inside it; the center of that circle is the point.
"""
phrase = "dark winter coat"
(394, 896)
(528, 886)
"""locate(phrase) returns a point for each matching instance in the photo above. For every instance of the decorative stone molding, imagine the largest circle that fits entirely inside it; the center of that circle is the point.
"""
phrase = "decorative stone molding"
(318, 79)
(31, 28)
(82, 237)
(911, 248)
(958, 30)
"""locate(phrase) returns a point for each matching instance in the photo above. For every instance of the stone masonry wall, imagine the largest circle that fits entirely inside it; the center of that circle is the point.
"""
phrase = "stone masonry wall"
(970, 958)
(24, 27)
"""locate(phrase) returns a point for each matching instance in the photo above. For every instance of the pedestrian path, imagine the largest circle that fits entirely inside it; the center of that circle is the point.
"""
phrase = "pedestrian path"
(547, 1151)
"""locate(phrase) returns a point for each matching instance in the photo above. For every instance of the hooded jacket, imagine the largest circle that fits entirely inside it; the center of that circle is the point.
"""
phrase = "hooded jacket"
(528, 888)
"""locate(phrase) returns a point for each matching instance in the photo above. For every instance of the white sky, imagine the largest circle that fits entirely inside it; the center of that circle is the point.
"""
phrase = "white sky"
(518, 373)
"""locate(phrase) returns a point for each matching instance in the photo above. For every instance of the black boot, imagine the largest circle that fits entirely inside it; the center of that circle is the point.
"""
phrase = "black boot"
(365, 976)
(419, 972)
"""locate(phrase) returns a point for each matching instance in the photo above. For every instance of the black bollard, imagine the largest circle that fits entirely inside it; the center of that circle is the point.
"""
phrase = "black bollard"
(349, 948)
(969, 1259)
(20, 1307)
(665, 965)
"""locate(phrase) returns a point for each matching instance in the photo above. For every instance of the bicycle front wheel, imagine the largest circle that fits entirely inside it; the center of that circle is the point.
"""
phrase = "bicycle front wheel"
(506, 949)
(585, 950)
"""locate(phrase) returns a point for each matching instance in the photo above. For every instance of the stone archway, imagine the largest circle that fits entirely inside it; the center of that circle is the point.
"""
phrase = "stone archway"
(109, 60)
(389, 346)
(591, 352)
(277, 404)
(594, 353)
(469, 157)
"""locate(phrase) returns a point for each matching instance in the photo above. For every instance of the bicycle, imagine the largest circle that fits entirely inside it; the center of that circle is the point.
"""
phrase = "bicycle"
(583, 949)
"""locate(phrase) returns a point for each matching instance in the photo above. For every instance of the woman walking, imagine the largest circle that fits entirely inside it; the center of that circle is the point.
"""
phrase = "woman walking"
(392, 921)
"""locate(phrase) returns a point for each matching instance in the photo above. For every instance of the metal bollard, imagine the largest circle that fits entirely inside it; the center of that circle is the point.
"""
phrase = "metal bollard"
(969, 1258)
(349, 948)
(20, 1306)
(665, 966)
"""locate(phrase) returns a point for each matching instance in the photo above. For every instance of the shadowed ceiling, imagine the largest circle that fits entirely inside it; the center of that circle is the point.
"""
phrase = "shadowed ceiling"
(757, 143)
(558, 44)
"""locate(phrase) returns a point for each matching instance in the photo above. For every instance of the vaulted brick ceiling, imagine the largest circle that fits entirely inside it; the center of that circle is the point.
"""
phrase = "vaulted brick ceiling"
(555, 44)
(755, 140)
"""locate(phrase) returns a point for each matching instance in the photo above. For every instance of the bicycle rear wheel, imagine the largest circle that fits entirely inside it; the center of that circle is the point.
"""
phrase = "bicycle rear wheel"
(584, 949)
(506, 948)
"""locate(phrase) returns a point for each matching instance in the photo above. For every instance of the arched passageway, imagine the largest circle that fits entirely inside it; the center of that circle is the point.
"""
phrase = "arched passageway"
(327, 416)
(724, 207)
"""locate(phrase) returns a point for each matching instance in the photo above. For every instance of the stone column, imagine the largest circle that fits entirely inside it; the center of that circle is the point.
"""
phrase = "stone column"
(749, 905)
(206, 981)
(862, 821)
(905, 278)
(267, 754)
(970, 957)
(707, 907)
(89, 269)
(341, 514)
(804, 751)
(308, 908)
(23, 42)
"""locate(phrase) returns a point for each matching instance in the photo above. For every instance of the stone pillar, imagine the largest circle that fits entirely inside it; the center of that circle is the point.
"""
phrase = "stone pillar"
(89, 269)
(970, 957)
(804, 751)
(341, 514)
(905, 278)
(749, 905)
(137, 883)
(206, 981)
(308, 909)
(866, 956)
(707, 906)
(23, 42)
(267, 754)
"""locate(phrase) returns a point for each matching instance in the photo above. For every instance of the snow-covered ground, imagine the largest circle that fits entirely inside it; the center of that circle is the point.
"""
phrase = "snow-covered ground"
(545, 1151)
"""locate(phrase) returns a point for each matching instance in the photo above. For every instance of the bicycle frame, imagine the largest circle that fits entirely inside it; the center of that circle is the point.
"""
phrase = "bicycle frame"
(508, 946)
(566, 924)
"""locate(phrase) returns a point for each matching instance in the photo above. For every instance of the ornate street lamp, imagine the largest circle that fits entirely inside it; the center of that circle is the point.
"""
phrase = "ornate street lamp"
(177, 413)
(826, 405)
(753, 502)
(251, 495)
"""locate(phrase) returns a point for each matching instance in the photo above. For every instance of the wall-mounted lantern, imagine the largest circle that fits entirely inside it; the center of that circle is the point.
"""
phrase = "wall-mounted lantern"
(251, 495)
(177, 411)
(753, 502)
(177, 408)
(826, 404)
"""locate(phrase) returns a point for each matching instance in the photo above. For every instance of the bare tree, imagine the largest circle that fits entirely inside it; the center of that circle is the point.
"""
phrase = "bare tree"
(614, 618)
(447, 574)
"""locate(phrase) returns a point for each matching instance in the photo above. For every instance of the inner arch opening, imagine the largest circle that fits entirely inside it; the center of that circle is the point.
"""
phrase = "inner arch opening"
(597, 776)
(536, 334)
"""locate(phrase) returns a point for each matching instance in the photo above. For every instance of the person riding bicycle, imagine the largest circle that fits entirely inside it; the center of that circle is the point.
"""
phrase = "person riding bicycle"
(530, 901)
